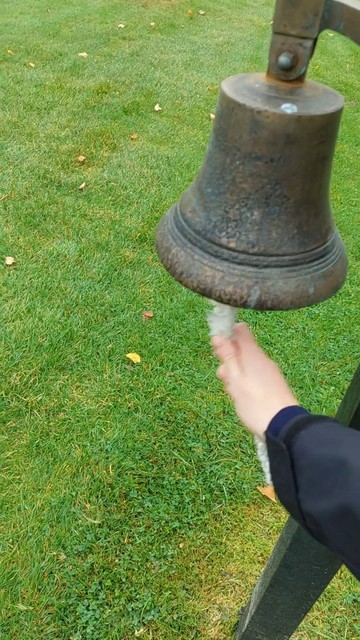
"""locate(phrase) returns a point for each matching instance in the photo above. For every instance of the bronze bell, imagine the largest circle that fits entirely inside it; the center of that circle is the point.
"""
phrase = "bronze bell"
(255, 227)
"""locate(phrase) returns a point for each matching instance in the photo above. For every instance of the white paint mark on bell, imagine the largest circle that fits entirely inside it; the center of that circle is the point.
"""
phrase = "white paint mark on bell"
(289, 107)
(253, 296)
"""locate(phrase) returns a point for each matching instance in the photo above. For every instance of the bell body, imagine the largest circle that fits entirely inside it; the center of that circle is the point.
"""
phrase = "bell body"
(255, 228)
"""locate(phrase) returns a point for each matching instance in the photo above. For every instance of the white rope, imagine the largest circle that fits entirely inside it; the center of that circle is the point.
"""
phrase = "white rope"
(221, 320)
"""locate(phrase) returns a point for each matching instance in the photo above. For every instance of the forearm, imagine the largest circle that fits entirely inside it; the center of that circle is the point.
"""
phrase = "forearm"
(315, 466)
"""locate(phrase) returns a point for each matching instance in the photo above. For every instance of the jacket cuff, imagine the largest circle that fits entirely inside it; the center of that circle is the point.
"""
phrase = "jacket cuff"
(283, 417)
(281, 464)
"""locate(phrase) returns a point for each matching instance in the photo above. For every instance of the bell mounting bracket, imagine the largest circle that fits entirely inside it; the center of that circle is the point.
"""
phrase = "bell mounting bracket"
(296, 27)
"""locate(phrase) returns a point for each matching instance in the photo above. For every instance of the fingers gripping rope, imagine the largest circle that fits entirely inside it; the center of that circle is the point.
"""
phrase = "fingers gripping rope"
(221, 320)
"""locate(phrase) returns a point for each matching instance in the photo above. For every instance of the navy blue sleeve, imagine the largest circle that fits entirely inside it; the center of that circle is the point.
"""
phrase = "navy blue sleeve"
(315, 466)
(283, 416)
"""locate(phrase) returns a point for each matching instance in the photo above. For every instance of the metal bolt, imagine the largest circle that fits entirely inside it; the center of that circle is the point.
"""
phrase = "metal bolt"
(286, 61)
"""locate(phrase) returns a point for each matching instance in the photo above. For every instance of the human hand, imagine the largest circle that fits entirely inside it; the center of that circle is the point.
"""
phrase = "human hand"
(253, 381)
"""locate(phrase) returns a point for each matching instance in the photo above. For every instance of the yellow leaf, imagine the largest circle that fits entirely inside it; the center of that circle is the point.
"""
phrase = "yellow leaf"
(9, 261)
(190, 13)
(133, 136)
(134, 357)
(201, 12)
(152, 24)
(81, 159)
(157, 107)
(82, 186)
(83, 54)
(121, 25)
(211, 116)
(11, 53)
(31, 64)
(268, 492)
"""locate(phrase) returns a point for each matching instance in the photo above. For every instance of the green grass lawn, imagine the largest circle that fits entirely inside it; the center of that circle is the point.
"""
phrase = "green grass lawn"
(128, 492)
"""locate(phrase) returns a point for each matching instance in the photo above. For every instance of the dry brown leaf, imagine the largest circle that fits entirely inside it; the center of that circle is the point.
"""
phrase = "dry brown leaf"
(10, 52)
(83, 54)
(121, 25)
(134, 357)
(31, 64)
(147, 315)
(82, 186)
(268, 492)
(211, 116)
(81, 159)
(9, 261)
(157, 107)
(201, 12)
(133, 136)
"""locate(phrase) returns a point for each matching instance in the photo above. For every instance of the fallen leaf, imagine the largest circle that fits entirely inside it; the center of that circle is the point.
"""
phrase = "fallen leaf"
(201, 12)
(31, 64)
(330, 34)
(133, 136)
(181, 545)
(157, 107)
(81, 159)
(268, 492)
(147, 315)
(91, 519)
(83, 54)
(140, 632)
(190, 13)
(9, 261)
(134, 357)
(152, 24)
(211, 116)
(23, 607)
(11, 53)
(82, 186)
(121, 25)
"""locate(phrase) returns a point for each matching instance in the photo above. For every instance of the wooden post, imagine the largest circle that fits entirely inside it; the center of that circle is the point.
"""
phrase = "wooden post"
(299, 568)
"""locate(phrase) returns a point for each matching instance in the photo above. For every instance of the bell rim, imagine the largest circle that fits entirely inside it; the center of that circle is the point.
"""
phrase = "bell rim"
(253, 287)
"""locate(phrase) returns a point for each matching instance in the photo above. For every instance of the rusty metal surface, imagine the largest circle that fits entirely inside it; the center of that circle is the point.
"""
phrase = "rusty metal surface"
(300, 18)
(255, 227)
(301, 49)
(296, 26)
(343, 17)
